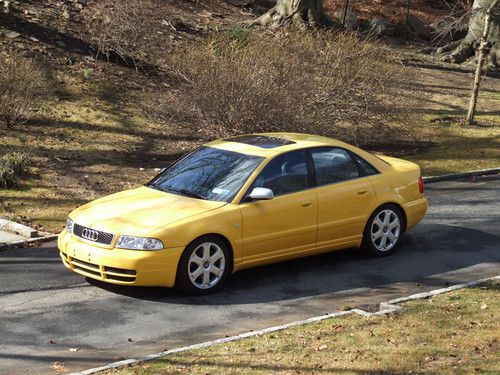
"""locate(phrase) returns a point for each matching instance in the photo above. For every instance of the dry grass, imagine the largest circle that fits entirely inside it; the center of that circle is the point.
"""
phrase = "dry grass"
(453, 333)
(312, 82)
(21, 86)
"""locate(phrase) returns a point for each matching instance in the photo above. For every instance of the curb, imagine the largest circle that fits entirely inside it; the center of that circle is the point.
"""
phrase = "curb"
(13, 227)
(24, 243)
(385, 308)
(452, 176)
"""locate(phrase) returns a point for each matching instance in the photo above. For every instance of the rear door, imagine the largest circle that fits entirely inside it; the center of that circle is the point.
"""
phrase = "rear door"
(344, 194)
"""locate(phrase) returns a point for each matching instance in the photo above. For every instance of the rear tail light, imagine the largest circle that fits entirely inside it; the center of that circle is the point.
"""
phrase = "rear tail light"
(421, 185)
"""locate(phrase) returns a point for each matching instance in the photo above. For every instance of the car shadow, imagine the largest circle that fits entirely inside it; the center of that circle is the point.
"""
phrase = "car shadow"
(428, 250)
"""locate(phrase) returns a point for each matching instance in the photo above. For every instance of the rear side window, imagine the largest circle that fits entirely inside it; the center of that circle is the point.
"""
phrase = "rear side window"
(286, 173)
(366, 168)
(333, 165)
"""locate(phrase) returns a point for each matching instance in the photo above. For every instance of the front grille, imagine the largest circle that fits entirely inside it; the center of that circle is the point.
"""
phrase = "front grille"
(92, 235)
(101, 273)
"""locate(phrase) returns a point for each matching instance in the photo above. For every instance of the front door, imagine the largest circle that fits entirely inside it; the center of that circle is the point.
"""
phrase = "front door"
(287, 223)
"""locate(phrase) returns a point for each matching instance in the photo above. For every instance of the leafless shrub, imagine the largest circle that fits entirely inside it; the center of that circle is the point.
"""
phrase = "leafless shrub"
(13, 166)
(128, 29)
(21, 84)
(317, 82)
(456, 21)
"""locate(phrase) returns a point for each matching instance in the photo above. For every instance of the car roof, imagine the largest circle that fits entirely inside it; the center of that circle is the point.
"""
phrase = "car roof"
(267, 144)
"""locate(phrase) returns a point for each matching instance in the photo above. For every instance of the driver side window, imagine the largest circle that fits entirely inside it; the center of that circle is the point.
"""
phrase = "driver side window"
(286, 173)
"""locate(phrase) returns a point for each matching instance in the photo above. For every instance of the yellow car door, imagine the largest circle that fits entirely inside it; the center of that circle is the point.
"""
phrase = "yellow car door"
(345, 196)
(275, 229)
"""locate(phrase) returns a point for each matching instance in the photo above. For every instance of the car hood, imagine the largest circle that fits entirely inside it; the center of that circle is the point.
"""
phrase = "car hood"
(139, 211)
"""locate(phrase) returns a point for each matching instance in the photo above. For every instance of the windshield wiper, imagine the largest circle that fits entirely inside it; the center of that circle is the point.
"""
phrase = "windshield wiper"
(187, 192)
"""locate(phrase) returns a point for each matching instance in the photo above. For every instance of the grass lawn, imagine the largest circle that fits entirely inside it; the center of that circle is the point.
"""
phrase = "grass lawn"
(453, 333)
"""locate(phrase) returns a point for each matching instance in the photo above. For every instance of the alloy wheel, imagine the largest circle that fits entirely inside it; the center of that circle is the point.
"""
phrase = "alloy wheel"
(206, 265)
(385, 230)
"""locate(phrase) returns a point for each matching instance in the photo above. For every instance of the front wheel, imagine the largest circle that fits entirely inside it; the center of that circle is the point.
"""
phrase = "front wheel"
(383, 230)
(204, 265)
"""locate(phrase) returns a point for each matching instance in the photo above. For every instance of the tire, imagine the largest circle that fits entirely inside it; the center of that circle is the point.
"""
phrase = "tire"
(203, 266)
(383, 230)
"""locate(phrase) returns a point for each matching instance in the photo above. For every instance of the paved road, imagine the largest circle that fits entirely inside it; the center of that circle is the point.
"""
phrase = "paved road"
(45, 310)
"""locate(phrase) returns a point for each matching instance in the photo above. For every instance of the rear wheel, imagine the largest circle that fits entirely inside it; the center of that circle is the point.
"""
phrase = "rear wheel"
(204, 266)
(383, 230)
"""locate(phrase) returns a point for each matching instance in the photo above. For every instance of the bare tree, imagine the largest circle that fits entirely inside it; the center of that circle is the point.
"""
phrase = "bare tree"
(462, 50)
(297, 12)
(482, 49)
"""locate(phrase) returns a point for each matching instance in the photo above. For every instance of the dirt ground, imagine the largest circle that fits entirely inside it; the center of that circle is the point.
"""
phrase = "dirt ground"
(92, 135)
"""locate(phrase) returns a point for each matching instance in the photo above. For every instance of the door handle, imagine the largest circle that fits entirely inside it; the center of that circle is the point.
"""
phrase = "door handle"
(306, 203)
(363, 191)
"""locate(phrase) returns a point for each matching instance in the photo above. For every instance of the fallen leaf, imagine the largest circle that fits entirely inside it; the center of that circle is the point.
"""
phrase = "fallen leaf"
(59, 367)
(484, 306)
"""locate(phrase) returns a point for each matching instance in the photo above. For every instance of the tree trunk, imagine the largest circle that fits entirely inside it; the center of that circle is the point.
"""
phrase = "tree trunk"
(469, 45)
(297, 12)
(477, 78)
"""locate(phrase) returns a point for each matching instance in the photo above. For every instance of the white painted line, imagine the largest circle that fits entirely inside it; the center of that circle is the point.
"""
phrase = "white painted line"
(385, 308)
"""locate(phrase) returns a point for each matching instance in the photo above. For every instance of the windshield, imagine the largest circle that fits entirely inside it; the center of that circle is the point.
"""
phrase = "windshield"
(207, 173)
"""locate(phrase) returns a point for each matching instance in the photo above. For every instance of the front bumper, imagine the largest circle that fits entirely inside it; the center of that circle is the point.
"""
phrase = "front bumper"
(119, 266)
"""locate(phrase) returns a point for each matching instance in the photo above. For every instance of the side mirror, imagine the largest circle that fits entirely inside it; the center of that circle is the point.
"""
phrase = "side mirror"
(261, 194)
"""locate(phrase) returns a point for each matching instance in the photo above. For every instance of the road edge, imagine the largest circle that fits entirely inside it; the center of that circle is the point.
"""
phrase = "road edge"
(453, 176)
(385, 308)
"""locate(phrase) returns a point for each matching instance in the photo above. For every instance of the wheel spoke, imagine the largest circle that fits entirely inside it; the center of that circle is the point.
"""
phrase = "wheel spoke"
(216, 271)
(197, 273)
(378, 222)
(196, 259)
(387, 217)
(206, 278)
(216, 256)
(206, 251)
(394, 224)
(392, 237)
(377, 234)
(383, 242)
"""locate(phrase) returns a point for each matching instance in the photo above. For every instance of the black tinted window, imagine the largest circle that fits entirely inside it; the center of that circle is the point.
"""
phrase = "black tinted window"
(366, 168)
(284, 174)
(333, 165)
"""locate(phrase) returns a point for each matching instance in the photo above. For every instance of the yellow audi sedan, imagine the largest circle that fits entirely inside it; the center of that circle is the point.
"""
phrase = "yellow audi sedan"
(243, 202)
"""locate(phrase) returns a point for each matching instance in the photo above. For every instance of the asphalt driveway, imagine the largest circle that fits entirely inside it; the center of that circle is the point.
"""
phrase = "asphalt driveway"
(45, 310)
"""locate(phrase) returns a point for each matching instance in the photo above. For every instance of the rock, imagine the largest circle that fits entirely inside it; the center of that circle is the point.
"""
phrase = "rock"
(419, 27)
(240, 3)
(380, 27)
(11, 34)
(351, 19)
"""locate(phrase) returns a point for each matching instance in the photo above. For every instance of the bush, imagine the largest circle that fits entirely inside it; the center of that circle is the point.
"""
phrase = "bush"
(21, 85)
(13, 166)
(131, 30)
(313, 82)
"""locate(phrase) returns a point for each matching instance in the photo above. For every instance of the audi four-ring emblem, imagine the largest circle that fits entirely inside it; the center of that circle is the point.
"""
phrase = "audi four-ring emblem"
(90, 234)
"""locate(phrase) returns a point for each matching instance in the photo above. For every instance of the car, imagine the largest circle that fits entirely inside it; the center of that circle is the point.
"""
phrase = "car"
(242, 202)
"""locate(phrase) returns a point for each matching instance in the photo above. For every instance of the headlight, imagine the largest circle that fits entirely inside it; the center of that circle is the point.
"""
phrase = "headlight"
(139, 243)
(69, 225)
